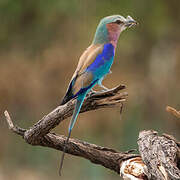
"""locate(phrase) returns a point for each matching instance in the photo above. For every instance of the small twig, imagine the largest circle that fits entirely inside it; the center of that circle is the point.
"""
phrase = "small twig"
(173, 111)
(11, 126)
(9, 121)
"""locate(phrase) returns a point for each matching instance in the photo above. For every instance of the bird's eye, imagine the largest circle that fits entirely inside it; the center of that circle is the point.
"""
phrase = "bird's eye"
(118, 21)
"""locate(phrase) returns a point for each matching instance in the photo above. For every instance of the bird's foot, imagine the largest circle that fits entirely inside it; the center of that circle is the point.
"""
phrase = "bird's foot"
(92, 92)
(104, 88)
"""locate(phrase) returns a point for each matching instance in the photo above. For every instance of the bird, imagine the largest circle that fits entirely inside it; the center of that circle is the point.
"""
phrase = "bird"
(94, 64)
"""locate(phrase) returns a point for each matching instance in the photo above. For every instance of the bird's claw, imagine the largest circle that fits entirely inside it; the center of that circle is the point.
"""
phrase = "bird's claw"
(92, 92)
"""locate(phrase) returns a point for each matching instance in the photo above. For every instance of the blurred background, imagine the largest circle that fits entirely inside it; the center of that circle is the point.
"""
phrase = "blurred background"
(40, 43)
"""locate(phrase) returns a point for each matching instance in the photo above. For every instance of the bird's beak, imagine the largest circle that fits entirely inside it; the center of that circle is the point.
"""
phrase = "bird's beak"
(130, 22)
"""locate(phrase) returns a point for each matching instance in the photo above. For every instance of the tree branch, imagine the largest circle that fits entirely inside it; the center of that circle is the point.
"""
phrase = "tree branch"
(106, 157)
(98, 100)
(173, 111)
(15, 129)
(40, 134)
(160, 155)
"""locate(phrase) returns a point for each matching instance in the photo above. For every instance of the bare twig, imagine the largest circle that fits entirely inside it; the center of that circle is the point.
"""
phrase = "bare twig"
(173, 111)
(15, 129)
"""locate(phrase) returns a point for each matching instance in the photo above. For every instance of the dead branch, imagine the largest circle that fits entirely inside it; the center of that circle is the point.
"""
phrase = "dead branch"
(173, 111)
(106, 157)
(39, 134)
(97, 100)
(159, 155)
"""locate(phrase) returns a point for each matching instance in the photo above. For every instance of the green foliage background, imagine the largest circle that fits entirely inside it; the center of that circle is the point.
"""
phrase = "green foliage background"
(40, 43)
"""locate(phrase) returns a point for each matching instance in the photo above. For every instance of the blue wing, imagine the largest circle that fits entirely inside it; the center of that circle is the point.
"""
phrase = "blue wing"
(91, 68)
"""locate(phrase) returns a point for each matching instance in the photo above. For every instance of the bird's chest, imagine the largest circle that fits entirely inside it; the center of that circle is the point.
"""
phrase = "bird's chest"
(102, 64)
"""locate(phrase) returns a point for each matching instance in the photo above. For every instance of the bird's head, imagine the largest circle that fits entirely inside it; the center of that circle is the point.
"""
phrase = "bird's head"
(117, 21)
(110, 28)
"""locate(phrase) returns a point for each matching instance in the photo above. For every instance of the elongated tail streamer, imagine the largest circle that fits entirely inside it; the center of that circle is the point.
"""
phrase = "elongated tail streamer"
(79, 102)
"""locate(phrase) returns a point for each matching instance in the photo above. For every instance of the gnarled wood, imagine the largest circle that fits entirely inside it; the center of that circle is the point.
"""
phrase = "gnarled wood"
(160, 154)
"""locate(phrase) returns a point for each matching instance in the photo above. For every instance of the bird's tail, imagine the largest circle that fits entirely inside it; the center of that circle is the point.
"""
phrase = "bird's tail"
(79, 102)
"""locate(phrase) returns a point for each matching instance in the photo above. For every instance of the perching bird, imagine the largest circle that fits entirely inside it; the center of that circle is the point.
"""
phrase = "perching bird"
(95, 64)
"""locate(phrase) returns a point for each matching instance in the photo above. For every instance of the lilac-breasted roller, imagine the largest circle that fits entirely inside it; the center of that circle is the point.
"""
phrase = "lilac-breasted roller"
(95, 63)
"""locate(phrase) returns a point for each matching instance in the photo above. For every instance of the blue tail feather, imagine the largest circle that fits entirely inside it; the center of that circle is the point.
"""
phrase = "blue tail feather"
(79, 102)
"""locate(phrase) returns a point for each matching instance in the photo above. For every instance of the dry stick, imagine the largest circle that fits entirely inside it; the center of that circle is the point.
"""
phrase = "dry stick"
(12, 127)
(39, 133)
(173, 111)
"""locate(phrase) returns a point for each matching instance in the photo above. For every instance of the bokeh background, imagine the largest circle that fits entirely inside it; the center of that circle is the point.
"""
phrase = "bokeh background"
(40, 43)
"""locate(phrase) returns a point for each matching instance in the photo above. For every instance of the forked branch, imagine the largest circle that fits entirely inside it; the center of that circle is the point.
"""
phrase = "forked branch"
(159, 155)
(39, 133)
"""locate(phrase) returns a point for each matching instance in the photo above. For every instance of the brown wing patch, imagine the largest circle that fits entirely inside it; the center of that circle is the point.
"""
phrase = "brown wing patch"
(82, 78)
(82, 81)
(87, 58)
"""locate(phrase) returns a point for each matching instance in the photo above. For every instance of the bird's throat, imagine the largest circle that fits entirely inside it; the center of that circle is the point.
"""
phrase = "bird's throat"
(113, 33)
(109, 33)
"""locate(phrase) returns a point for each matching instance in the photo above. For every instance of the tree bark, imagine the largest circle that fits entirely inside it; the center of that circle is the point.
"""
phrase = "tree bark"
(161, 154)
